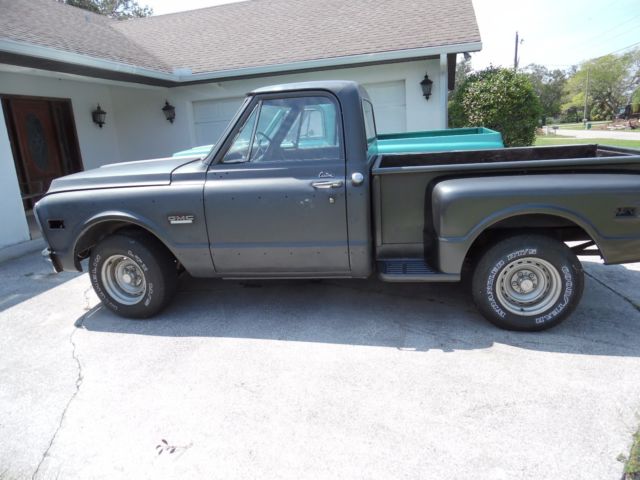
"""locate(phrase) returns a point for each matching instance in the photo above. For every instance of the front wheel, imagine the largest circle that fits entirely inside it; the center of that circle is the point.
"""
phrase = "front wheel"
(527, 283)
(135, 276)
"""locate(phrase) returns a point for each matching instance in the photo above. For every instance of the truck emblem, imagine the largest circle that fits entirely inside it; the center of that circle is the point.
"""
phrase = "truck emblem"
(180, 219)
(324, 174)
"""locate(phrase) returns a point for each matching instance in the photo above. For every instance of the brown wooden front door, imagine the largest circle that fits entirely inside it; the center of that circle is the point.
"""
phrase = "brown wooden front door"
(44, 143)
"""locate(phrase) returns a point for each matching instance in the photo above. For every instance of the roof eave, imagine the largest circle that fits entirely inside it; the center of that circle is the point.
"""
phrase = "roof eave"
(324, 63)
(55, 55)
(181, 77)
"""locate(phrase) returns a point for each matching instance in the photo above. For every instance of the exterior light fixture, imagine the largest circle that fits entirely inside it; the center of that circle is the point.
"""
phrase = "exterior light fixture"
(98, 116)
(169, 111)
(426, 85)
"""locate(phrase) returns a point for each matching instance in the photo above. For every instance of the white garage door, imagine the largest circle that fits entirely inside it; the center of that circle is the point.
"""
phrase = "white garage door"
(389, 104)
(211, 117)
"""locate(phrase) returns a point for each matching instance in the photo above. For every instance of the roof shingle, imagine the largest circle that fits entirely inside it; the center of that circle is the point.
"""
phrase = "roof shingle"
(246, 34)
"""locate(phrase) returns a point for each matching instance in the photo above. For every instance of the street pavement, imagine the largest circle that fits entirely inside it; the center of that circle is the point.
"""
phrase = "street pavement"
(312, 379)
(612, 134)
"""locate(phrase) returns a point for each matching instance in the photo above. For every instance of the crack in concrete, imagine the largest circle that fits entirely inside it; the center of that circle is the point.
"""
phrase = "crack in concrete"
(79, 378)
(625, 298)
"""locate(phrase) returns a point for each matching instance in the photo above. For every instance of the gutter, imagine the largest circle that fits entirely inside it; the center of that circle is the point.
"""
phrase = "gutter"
(53, 54)
(181, 75)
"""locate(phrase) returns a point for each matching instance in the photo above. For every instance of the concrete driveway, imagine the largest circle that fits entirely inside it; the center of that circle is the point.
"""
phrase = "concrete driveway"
(332, 379)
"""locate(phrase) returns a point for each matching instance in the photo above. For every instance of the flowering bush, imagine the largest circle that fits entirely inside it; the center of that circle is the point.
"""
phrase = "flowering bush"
(499, 99)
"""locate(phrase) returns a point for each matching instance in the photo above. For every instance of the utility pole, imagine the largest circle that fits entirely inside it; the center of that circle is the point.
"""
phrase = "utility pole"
(586, 98)
(515, 56)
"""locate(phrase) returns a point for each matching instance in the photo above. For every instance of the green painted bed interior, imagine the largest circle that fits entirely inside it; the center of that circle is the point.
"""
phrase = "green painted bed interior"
(477, 138)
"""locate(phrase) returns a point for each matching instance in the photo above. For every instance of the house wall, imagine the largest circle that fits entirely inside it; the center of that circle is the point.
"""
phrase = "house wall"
(14, 223)
(98, 146)
(143, 132)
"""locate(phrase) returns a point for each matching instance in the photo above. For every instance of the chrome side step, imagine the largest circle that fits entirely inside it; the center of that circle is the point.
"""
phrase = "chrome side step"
(412, 270)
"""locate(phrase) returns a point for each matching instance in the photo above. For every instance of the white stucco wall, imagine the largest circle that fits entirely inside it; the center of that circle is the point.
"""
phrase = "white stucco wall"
(98, 146)
(14, 223)
(143, 132)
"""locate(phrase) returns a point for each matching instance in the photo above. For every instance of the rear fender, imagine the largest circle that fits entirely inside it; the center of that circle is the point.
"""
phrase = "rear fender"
(466, 207)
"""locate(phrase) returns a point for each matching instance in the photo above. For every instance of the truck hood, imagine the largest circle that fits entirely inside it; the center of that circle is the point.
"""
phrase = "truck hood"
(127, 174)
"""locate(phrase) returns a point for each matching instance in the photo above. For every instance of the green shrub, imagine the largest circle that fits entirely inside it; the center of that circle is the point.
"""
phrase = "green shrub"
(499, 99)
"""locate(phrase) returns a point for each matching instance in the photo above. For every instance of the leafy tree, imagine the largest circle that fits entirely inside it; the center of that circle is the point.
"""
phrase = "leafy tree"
(463, 69)
(612, 79)
(118, 9)
(500, 99)
(549, 86)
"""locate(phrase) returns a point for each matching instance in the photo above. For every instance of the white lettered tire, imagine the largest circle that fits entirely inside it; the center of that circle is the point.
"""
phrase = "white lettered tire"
(133, 274)
(527, 283)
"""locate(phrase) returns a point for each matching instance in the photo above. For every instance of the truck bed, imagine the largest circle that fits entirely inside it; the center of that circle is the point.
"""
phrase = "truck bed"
(402, 184)
(560, 155)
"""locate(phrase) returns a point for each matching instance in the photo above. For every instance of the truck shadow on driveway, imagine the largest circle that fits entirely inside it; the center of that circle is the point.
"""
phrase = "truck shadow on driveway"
(418, 317)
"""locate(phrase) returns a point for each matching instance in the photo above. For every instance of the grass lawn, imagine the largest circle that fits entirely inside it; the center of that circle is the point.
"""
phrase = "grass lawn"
(632, 467)
(557, 140)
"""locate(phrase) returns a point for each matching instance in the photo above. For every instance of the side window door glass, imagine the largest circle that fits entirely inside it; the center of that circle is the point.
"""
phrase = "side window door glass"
(289, 129)
(309, 131)
(270, 120)
(241, 147)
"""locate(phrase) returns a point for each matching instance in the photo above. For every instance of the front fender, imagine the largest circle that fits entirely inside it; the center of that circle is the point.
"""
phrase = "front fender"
(84, 213)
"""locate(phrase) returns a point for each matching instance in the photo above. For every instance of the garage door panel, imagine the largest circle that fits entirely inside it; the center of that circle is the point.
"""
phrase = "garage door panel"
(208, 133)
(389, 103)
(212, 116)
(391, 119)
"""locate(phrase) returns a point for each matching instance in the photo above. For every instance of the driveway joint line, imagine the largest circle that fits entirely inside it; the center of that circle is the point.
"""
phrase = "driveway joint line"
(79, 379)
(625, 298)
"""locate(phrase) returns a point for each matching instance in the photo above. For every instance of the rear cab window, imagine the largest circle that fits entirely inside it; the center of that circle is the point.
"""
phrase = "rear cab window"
(370, 127)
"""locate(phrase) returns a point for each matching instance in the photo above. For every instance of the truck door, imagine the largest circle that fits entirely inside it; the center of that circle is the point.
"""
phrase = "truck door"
(275, 195)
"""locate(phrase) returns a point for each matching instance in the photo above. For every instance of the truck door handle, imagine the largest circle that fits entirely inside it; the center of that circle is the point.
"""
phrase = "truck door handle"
(328, 184)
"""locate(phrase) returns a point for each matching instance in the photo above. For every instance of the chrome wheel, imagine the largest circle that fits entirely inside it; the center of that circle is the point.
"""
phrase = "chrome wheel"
(528, 286)
(123, 279)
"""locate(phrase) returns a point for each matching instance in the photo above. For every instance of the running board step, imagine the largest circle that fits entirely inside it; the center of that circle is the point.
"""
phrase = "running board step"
(412, 270)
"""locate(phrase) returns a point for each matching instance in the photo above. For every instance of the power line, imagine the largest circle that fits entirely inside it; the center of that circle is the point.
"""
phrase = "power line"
(597, 37)
(605, 54)
(588, 59)
(619, 50)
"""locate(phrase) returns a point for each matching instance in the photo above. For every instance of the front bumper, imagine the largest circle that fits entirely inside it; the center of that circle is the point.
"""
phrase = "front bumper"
(51, 258)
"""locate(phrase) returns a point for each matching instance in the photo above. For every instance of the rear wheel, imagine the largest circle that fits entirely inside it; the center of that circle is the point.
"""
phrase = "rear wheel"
(527, 283)
(134, 275)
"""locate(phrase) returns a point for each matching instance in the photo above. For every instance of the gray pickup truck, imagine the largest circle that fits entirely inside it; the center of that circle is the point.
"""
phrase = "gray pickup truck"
(297, 188)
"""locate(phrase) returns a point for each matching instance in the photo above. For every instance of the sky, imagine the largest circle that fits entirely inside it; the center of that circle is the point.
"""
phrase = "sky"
(554, 33)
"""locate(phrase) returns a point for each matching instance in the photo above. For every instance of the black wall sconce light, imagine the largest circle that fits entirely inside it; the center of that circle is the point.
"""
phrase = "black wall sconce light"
(426, 84)
(98, 116)
(169, 111)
